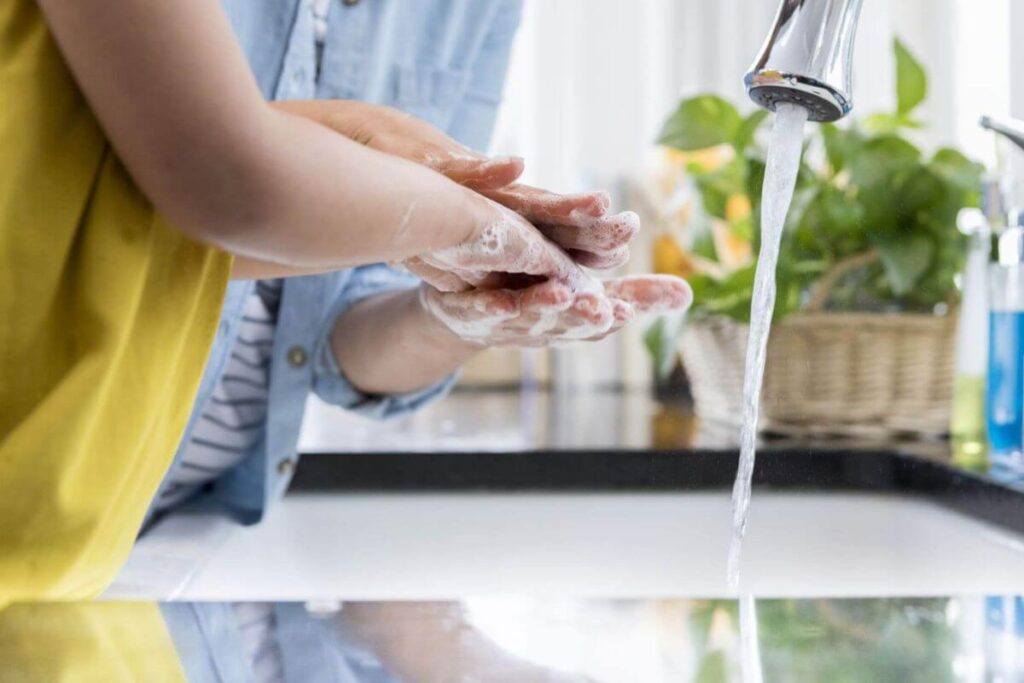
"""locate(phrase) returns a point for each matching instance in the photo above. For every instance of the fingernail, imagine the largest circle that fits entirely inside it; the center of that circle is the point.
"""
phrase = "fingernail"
(624, 312)
(585, 303)
(502, 303)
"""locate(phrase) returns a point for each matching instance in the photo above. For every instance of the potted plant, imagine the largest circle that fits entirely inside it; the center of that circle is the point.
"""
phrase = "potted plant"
(864, 330)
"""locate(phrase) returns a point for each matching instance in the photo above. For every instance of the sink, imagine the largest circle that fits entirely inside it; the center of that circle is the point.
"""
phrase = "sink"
(598, 524)
(609, 545)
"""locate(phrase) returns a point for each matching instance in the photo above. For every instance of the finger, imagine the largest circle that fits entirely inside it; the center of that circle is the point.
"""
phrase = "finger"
(652, 293)
(590, 315)
(542, 308)
(439, 279)
(472, 315)
(542, 206)
(551, 296)
(602, 261)
(508, 244)
(606, 234)
(586, 316)
(482, 173)
(425, 145)
(554, 313)
(496, 304)
(623, 313)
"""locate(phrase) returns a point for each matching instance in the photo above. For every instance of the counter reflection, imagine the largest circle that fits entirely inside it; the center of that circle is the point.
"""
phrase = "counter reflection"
(515, 640)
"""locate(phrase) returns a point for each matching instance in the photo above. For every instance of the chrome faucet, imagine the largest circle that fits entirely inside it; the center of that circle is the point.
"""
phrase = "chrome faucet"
(1011, 129)
(808, 58)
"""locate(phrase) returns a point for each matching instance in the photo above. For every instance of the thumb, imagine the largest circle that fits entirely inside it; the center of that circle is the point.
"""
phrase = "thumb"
(480, 172)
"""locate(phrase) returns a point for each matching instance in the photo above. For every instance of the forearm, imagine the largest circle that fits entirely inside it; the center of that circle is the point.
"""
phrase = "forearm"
(389, 344)
(173, 93)
(322, 201)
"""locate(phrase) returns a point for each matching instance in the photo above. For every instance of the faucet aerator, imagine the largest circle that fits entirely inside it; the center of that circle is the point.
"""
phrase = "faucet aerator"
(808, 59)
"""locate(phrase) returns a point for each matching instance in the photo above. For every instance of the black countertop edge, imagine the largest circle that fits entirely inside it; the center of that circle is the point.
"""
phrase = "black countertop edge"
(586, 470)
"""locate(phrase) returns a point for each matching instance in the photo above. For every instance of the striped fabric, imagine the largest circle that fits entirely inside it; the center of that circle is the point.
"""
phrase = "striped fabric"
(232, 422)
(258, 625)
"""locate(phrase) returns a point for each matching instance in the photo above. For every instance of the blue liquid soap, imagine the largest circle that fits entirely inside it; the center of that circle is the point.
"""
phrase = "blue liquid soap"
(1006, 385)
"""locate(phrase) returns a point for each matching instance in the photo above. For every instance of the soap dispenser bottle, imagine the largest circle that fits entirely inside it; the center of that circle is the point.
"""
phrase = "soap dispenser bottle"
(1005, 395)
(967, 424)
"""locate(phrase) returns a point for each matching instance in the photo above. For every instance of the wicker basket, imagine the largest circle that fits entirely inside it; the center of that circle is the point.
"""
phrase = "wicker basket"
(856, 375)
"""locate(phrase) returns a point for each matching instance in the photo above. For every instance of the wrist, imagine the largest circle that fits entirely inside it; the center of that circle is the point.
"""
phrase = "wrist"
(436, 334)
(480, 212)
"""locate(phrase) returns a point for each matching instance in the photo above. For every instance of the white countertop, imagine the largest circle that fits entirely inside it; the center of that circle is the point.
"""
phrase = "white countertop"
(374, 547)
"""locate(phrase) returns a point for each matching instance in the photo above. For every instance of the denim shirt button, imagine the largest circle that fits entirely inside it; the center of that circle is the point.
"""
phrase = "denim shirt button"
(297, 356)
(286, 466)
(350, 3)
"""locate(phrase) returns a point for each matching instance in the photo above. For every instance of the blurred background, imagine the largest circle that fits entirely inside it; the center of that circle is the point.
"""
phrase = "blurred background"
(591, 84)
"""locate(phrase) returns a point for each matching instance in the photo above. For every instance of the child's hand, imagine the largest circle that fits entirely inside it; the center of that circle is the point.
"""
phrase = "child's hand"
(507, 252)
(396, 133)
(553, 312)
(579, 224)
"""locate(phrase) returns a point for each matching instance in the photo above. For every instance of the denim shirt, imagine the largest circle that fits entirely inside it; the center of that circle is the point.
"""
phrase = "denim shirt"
(443, 61)
(313, 649)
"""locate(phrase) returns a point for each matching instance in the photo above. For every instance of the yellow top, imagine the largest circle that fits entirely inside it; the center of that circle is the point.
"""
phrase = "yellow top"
(106, 318)
(98, 642)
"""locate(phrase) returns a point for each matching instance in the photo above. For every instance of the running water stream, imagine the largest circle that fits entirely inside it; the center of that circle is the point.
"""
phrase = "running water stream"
(784, 150)
(751, 668)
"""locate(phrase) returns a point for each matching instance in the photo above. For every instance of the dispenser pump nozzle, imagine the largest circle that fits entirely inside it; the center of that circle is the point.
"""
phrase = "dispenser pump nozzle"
(1010, 129)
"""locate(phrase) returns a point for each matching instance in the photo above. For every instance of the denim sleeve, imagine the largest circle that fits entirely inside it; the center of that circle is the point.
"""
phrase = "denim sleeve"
(473, 122)
(330, 383)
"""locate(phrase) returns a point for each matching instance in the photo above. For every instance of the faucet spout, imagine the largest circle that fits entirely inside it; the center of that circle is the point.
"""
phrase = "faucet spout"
(808, 58)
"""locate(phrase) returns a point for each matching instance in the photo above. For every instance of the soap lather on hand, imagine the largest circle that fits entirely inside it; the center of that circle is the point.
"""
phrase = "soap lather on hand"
(520, 279)
(511, 286)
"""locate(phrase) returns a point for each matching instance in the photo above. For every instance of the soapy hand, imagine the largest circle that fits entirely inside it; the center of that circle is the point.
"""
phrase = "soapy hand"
(507, 252)
(553, 312)
(579, 224)
(518, 280)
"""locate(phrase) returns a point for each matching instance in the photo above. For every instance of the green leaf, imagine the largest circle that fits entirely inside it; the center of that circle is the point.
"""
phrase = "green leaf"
(704, 246)
(748, 129)
(905, 260)
(714, 196)
(662, 342)
(881, 156)
(754, 180)
(911, 80)
(654, 341)
(717, 186)
(961, 172)
(885, 123)
(840, 145)
(831, 224)
(743, 228)
(713, 668)
(919, 191)
(729, 297)
(701, 122)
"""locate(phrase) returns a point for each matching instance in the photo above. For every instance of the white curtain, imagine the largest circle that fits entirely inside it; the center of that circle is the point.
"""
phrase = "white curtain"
(592, 80)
